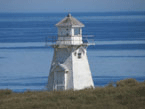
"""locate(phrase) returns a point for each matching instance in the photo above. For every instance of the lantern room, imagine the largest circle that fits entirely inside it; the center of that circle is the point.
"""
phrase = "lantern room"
(69, 31)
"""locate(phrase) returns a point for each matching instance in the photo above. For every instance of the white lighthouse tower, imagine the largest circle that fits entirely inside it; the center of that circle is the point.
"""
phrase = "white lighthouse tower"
(70, 68)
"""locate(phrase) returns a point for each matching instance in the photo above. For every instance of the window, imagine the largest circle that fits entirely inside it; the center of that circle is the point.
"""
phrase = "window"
(76, 31)
(75, 53)
(67, 32)
(79, 55)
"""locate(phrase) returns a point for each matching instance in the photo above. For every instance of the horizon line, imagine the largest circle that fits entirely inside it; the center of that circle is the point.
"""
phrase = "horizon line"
(81, 12)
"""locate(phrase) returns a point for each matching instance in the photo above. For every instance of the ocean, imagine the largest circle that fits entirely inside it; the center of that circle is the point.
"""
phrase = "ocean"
(25, 60)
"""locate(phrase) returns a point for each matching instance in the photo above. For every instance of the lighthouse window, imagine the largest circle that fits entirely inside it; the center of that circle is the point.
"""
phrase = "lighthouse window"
(75, 53)
(77, 31)
(79, 55)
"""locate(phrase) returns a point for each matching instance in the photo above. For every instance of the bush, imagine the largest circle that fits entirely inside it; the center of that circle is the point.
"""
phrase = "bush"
(127, 83)
(5, 92)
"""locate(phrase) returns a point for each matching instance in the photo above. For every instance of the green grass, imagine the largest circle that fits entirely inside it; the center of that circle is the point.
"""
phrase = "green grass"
(128, 94)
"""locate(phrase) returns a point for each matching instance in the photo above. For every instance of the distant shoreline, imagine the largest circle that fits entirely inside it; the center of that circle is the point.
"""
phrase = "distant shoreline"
(109, 12)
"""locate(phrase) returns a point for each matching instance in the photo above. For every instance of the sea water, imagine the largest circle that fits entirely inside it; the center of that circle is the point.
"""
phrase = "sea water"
(25, 61)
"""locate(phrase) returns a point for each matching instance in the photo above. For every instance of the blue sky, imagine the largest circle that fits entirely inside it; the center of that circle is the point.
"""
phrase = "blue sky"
(71, 5)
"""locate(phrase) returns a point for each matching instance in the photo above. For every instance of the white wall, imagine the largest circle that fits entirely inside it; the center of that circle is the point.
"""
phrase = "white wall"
(82, 76)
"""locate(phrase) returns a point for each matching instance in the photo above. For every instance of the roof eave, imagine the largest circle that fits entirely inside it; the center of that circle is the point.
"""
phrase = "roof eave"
(70, 25)
(78, 25)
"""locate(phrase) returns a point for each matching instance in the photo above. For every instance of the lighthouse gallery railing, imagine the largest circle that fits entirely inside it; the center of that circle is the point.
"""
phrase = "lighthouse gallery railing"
(86, 40)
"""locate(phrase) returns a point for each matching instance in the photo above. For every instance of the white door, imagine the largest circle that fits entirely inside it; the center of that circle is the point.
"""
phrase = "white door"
(59, 80)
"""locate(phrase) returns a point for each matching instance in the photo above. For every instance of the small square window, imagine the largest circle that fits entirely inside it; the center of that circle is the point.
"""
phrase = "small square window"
(79, 55)
(75, 53)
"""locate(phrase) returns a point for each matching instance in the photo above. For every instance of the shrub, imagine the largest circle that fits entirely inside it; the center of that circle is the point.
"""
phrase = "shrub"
(128, 82)
(5, 92)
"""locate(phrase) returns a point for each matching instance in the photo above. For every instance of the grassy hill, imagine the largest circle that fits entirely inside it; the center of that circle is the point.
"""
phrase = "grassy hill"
(128, 94)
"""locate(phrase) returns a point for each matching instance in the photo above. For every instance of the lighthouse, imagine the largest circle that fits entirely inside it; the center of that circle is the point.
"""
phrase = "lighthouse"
(70, 67)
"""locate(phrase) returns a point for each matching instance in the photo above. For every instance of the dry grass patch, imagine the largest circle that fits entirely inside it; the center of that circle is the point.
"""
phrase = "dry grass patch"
(128, 94)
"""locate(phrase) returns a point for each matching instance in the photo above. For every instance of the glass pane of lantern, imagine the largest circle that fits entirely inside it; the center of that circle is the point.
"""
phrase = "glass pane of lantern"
(76, 31)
